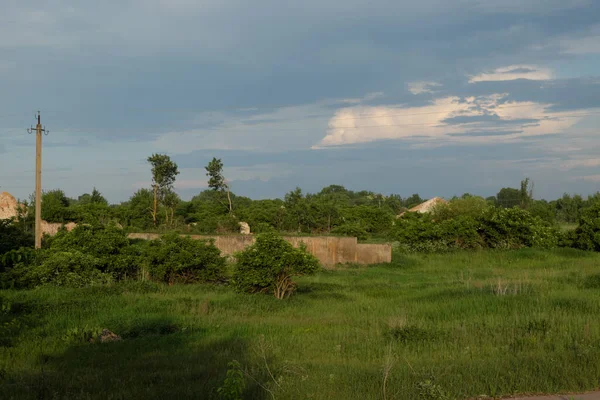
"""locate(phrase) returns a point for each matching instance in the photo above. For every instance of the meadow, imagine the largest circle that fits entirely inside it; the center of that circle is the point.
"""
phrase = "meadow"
(452, 326)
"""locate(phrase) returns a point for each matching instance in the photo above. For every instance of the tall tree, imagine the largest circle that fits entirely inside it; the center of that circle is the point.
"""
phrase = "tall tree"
(508, 197)
(164, 172)
(97, 198)
(170, 200)
(526, 193)
(216, 181)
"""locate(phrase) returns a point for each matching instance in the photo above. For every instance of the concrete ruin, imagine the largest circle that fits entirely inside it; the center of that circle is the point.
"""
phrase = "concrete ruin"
(329, 250)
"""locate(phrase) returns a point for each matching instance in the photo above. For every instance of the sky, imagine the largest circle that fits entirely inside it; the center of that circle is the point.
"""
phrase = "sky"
(434, 97)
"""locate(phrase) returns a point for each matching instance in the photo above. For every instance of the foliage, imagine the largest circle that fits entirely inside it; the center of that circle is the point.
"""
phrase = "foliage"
(214, 170)
(138, 210)
(480, 227)
(471, 206)
(587, 234)
(511, 228)
(24, 255)
(374, 220)
(174, 258)
(508, 198)
(55, 207)
(12, 236)
(63, 268)
(270, 264)
(234, 384)
(216, 181)
(164, 172)
(329, 342)
(351, 229)
(418, 232)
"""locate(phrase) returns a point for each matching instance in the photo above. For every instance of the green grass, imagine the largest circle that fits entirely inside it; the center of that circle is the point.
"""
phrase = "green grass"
(432, 327)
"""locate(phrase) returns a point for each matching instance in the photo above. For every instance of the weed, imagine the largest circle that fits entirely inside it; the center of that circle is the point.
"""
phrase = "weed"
(411, 333)
(234, 384)
(428, 390)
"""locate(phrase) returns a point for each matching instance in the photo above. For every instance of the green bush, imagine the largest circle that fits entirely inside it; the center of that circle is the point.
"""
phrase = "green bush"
(270, 264)
(587, 234)
(108, 244)
(62, 268)
(471, 206)
(351, 229)
(174, 258)
(496, 228)
(510, 228)
(12, 237)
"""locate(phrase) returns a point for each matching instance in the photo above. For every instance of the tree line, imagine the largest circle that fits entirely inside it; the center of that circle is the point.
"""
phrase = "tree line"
(218, 210)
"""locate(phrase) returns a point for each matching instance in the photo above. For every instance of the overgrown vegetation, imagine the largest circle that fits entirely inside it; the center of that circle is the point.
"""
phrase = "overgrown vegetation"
(270, 264)
(97, 255)
(476, 227)
(424, 327)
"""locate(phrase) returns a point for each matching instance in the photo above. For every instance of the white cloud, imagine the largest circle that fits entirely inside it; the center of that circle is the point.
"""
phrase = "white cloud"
(448, 120)
(422, 87)
(513, 72)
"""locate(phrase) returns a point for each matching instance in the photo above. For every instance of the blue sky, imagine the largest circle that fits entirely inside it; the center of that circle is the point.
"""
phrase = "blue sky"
(433, 96)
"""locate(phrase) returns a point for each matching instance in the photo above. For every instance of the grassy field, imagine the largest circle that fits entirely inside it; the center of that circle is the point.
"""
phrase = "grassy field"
(425, 327)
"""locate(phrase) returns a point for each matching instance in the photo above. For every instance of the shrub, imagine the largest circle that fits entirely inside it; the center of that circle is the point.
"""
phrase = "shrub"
(351, 229)
(270, 264)
(498, 228)
(108, 244)
(174, 258)
(12, 237)
(376, 221)
(234, 384)
(587, 234)
(72, 269)
(509, 228)
(472, 206)
(24, 255)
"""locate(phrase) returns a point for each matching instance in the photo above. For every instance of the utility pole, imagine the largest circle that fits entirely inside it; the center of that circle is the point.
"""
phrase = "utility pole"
(38, 179)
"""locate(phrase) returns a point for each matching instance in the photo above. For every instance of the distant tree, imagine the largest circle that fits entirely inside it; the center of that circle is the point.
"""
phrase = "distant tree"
(296, 207)
(216, 181)
(55, 206)
(84, 199)
(97, 198)
(491, 200)
(508, 197)
(164, 172)
(170, 201)
(568, 208)
(395, 203)
(413, 200)
(526, 193)
(13, 237)
(138, 211)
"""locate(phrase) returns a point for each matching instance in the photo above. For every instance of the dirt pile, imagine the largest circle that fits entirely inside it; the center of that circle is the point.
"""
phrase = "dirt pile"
(8, 206)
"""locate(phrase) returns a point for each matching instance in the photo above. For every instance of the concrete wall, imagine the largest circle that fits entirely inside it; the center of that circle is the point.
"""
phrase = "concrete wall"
(373, 253)
(328, 249)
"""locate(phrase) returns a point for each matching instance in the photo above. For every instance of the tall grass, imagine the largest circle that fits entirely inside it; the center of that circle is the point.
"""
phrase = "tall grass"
(454, 326)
